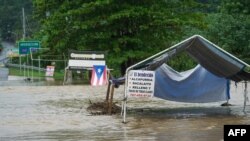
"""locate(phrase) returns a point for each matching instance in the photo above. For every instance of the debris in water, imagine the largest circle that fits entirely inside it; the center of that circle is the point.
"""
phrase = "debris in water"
(101, 108)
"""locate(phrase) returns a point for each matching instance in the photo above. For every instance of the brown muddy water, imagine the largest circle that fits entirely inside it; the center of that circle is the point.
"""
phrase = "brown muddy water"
(58, 113)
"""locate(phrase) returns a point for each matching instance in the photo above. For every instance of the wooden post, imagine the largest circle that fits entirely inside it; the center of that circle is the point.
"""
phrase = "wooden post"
(65, 75)
(245, 97)
(107, 94)
(108, 91)
(107, 97)
(111, 100)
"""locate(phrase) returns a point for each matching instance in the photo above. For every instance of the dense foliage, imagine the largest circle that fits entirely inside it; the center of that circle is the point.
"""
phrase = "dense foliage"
(230, 28)
(11, 19)
(131, 30)
(127, 30)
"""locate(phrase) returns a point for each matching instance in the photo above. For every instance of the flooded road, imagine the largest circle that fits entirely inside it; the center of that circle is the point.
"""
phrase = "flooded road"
(52, 113)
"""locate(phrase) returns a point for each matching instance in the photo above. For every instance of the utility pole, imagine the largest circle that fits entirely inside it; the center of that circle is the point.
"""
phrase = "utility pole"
(24, 36)
(24, 30)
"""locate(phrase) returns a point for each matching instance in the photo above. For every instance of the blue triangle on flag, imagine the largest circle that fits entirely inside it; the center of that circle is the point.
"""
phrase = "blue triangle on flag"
(99, 71)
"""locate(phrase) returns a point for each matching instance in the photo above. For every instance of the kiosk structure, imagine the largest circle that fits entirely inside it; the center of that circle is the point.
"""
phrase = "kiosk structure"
(82, 60)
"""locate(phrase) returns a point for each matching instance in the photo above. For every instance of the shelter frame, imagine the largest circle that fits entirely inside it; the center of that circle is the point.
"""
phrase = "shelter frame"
(83, 60)
(172, 48)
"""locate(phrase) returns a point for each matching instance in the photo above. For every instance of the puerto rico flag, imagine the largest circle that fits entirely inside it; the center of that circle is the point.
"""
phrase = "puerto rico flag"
(99, 76)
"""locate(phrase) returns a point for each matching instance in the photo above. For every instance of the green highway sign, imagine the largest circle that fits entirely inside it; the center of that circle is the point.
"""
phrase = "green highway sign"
(26, 46)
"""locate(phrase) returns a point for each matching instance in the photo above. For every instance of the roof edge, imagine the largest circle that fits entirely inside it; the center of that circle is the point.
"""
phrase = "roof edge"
(160, 53)
(247, 66)
(229, 54)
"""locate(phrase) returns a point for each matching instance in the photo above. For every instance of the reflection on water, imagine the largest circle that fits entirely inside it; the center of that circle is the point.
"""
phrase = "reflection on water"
(186, 112)
(188, 129)
(59, 113)
(23, 81)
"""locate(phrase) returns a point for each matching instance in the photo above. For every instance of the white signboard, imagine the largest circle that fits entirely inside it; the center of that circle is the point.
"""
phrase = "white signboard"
(81, 64)
(87, 56)
(13, 53)
(85, 59)
(50, 70)
(141, 83)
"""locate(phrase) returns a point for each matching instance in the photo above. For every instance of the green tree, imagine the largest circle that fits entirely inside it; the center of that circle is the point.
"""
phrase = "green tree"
(127, 30)
(236, 7)
(11, 18)
(230, 28)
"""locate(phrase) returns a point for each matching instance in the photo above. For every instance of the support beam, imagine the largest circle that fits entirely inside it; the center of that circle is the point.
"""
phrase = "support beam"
(111, 100)
(245, 97)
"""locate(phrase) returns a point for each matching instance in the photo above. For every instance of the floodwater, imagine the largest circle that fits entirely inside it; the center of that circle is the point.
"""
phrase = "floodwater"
(23, 81)
(52, 113)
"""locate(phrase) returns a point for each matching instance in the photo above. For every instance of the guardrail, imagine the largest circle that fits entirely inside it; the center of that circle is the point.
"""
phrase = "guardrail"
(25, 66)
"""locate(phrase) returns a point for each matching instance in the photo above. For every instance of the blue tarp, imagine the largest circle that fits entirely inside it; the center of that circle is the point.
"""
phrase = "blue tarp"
(194, 86)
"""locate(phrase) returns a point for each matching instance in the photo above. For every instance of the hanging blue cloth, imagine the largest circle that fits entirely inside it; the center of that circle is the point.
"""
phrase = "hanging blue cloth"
(194, 86)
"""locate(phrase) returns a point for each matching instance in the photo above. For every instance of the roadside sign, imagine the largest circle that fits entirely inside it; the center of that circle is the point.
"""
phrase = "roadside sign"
(79, 60)
(13, 52)
(141, 83)
(25, 46)
(50, 70)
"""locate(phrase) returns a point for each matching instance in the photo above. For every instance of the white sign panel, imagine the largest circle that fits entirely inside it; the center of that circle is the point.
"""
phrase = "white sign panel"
(87, 56)
(50, 70)
(141, 83)
(81, 64)
(85, 59)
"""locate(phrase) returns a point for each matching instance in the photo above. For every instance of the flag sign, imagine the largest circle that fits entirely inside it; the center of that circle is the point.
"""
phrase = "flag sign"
(99, 75)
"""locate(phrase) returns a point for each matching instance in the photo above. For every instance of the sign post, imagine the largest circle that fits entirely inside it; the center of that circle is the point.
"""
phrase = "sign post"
(25, 47)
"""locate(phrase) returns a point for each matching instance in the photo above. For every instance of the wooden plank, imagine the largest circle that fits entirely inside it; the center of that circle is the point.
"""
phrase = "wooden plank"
(111, 100)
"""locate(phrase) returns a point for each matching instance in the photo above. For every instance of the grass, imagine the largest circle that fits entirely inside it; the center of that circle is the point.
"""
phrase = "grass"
(57, 75)
(17, 72)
